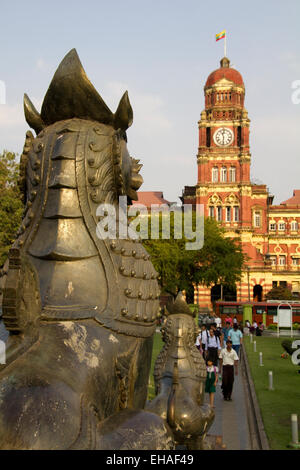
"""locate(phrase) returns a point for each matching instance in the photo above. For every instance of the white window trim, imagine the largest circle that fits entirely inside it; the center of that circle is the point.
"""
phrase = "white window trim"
(215, 175)
(236, 211)
(257, 213)
(282, 257)
(228, 213)
(232, 174)
(294, 223)
(223, 178)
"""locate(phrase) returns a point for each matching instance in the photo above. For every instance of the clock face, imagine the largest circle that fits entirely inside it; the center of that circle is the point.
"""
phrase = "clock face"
(223, 137)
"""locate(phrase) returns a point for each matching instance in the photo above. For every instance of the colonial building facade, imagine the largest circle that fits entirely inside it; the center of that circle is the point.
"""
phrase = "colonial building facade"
(270, 234)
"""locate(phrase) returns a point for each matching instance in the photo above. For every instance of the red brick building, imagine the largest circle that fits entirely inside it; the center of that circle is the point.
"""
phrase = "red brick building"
(269, 233)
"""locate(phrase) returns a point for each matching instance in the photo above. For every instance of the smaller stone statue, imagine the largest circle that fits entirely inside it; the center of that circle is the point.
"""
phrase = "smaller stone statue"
(180, 375)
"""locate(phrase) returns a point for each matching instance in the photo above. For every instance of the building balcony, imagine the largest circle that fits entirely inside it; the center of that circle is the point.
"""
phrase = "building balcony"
(287, 268)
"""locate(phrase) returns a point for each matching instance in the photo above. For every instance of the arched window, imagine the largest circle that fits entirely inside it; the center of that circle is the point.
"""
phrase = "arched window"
(232, 174)
(228, 214)
(294, 225)
(257, 293)
(219, 213)
(211, 211)
(215, 174)
(282, 260)
(223, 174)
(257, 218)
(208, 137)
(236, 212)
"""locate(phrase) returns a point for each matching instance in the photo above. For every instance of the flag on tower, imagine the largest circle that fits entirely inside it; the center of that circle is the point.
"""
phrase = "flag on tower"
(221, 35)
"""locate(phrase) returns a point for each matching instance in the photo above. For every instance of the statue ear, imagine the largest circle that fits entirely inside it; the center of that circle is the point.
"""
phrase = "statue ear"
(124, 115)
(32, 116)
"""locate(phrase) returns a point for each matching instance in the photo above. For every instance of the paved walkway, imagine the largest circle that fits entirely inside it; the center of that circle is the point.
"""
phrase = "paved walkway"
(231, 417)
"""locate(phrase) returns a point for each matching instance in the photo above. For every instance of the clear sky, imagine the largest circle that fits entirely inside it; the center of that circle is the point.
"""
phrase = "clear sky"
(162, 51)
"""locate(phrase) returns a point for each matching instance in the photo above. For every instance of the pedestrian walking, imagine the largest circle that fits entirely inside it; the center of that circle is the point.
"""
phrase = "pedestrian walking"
(201, 340)
(211, 381)
(225, 332)
(247, 328)
(228, 319)
(212, 347)
(261, 327)
(228, 365)
(236, 336)
(217, 331)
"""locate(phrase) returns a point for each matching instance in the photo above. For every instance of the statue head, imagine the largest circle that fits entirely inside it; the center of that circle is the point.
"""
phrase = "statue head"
(71, 96)
(77, 162)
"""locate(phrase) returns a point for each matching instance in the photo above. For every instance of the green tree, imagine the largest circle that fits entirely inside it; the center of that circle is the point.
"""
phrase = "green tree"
(220, 260)
(11, 206)
(279, 293)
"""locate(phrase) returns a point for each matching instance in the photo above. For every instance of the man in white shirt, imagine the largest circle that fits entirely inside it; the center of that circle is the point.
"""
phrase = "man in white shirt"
(228, 362)
(201, 340)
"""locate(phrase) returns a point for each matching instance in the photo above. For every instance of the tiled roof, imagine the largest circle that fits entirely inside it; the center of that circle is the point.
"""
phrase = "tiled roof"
(295, 200)
(150, 197)
(223, 72)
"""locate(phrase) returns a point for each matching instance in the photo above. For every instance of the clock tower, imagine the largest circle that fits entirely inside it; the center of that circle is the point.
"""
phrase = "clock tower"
(223, 185)
(269, 234)
(223, 154)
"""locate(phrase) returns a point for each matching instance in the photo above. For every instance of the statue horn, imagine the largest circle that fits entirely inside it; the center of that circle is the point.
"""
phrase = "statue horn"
(124, 115)
(32, 116)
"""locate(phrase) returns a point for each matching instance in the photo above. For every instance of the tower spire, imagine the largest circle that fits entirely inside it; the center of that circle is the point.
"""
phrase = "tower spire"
(225, 62)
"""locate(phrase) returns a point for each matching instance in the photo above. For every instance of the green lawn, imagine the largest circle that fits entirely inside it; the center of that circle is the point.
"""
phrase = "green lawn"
(157, 347)
(278, 405)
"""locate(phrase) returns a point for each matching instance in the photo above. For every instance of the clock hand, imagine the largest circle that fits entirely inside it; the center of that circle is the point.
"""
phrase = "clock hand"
(223, 134)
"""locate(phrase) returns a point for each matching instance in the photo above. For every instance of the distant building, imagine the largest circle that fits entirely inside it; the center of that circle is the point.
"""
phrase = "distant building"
(270, 234)
(147, 198)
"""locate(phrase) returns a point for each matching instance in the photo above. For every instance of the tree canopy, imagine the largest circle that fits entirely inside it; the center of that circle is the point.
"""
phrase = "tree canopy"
(219, 261)
(279, 293)
(11, 205)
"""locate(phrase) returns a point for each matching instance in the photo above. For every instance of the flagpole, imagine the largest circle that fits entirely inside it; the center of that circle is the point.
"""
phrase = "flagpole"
(225, 44)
